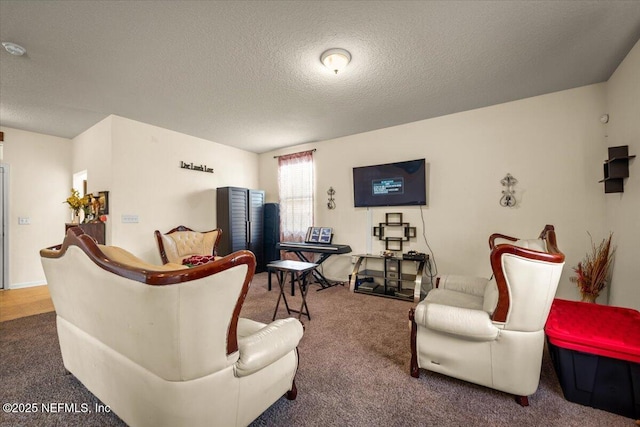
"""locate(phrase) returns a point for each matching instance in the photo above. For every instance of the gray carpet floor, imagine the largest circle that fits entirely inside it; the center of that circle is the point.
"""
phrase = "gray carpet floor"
(354, 371)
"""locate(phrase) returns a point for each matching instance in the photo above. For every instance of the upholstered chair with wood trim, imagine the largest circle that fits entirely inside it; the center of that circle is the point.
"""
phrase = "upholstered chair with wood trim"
(491, 331)
(182, 242)
(164, 345)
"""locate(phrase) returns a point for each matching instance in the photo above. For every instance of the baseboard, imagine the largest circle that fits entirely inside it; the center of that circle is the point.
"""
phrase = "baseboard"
(26, 285)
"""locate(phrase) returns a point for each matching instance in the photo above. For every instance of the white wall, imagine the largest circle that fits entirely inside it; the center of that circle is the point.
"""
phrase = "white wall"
(39, 182)
(552, 144)
(92, 152)
(142, 173)
(623, 209)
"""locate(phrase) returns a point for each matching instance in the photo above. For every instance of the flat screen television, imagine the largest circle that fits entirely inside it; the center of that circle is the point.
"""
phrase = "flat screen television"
(390, 184)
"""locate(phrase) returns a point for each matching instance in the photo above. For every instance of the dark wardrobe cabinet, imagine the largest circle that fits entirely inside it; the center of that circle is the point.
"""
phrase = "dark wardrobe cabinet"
(240, 216)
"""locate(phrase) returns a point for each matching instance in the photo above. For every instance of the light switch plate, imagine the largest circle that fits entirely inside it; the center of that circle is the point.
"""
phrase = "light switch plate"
(24, 220)
(130, 219)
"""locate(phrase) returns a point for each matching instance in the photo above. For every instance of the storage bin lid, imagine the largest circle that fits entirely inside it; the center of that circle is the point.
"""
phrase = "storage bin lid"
(596, 329)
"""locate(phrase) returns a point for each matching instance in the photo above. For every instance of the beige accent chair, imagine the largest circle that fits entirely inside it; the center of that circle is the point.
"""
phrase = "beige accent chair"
(164, 345)
(491, 331)
(182, 242)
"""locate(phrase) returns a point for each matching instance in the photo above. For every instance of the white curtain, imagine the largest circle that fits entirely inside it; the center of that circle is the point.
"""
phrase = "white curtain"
(295, 183)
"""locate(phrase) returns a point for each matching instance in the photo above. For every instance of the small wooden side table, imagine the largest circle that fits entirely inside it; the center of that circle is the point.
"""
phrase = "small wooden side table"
(298, 271)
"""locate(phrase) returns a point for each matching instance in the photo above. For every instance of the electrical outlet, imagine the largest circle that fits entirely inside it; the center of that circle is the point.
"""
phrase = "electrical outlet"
(24, 220)
(130, 219)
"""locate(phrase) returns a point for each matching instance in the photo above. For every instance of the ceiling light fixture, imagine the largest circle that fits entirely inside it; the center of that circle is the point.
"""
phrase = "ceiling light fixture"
(14, 49)
(335, 59)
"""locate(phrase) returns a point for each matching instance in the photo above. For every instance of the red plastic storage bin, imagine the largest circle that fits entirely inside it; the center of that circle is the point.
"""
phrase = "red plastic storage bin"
(595, 351)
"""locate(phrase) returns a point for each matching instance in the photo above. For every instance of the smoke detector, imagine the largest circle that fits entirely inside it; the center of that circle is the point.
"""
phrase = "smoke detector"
(14, 49)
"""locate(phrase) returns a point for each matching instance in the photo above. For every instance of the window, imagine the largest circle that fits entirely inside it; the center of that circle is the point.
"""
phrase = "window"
(295, 183)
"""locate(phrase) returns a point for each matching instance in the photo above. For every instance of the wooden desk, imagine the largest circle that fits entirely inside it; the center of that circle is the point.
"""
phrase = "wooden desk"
(93, 229)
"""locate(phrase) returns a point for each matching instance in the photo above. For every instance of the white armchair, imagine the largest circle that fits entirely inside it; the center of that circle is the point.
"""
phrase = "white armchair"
(164, 345)
(491, 331)
(182, 242)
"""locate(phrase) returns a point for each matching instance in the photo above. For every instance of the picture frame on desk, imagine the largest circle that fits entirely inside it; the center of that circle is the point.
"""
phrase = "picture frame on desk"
(103, 200)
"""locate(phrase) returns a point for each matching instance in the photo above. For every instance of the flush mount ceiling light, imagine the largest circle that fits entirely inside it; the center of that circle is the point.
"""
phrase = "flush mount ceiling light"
(335, 59)
(14, 49)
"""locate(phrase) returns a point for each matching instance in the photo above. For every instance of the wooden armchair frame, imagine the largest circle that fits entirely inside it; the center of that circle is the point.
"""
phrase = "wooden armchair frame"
(553, 254)
(76, 237)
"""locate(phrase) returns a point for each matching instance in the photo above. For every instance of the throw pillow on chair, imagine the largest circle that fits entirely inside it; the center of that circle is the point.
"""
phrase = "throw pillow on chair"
(196, 260)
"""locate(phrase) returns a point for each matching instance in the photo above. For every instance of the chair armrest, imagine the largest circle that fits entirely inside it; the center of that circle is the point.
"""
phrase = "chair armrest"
(496, 236)
(267, 345)
(465, 284)
(471, 324)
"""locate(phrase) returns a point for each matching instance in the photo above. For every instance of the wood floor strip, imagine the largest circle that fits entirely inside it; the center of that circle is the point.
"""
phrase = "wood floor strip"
(17, 303)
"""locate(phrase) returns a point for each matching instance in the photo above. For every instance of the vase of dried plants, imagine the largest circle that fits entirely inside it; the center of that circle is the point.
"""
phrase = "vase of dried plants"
(588, 298)
(592, 273)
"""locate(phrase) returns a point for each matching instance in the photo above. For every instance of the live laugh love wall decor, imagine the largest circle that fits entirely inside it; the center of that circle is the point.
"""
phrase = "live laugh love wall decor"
(191, 166)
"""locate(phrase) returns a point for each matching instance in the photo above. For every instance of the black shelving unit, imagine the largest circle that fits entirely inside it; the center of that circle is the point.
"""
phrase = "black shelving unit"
(240, 214)
(616, 169)
(394, 243)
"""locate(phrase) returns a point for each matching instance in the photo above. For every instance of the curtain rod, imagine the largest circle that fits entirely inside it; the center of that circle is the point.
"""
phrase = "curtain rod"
(290, 154)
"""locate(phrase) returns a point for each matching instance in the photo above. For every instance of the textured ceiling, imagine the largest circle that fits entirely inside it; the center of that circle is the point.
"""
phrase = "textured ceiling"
(247, 74)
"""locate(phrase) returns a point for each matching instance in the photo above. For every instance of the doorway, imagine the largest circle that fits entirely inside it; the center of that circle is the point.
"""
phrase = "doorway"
(80, 182)
(4, 226)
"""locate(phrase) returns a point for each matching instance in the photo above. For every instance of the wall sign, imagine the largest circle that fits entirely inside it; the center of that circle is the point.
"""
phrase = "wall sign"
(191, 166)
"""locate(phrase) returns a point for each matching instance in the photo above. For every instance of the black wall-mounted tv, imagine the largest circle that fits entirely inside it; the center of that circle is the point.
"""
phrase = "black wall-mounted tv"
(390, 184)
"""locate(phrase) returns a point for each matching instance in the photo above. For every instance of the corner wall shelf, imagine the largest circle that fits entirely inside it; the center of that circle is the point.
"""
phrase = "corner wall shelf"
(616, 169)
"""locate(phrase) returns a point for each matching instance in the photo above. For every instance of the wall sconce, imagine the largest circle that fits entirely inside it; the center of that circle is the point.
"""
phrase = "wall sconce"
(508, 199)
(331, 204)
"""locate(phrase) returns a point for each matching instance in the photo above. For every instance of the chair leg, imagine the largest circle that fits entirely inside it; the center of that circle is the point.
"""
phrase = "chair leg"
(414, 370)
(522, 400)
(293, 393)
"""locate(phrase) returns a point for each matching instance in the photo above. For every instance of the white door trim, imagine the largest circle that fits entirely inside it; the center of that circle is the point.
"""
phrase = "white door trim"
(4, 231)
